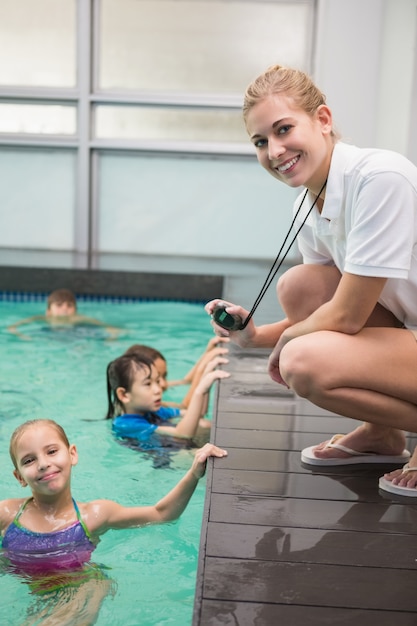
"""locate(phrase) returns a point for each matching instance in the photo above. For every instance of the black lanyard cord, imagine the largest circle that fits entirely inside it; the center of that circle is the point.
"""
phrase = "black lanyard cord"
(273, 272)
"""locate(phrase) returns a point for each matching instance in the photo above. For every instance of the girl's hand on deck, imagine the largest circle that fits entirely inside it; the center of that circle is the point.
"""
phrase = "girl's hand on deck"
(216, 342)
(200, 459)
(211, 374)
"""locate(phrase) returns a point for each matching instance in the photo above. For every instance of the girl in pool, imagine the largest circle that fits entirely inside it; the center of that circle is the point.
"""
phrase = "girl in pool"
(134, 394)
(193, 377)
(348, 340)
(49, 537)
(213, 349)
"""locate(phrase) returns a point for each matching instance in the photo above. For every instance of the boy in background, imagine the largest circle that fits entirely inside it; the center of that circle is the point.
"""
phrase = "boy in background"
(61, 310)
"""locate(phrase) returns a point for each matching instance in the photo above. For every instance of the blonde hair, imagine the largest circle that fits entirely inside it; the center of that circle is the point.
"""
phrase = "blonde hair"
(294, 83)
(18, 432)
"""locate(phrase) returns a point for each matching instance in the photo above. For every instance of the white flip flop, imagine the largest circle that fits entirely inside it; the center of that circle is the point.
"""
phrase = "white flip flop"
(357, 458)
(398, 490)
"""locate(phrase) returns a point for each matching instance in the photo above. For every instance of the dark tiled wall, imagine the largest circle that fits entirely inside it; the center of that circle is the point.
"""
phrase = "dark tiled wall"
(111, 283)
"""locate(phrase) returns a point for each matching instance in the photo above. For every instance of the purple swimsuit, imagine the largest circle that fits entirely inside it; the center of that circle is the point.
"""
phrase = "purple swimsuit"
(44, 553)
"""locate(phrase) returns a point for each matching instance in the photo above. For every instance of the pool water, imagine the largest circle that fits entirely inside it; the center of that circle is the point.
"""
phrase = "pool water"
(60, 374)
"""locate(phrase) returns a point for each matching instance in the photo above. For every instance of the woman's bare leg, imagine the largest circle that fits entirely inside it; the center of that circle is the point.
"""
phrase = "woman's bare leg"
(370, 376)
(302, 289)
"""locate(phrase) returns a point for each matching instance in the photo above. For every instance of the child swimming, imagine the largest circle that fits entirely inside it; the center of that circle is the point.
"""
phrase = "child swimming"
(213, 349)
(49, 536)
(134, 395)
(61, 311)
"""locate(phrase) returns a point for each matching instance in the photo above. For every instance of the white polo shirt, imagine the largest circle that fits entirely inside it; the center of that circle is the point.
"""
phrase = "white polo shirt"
(368, 225)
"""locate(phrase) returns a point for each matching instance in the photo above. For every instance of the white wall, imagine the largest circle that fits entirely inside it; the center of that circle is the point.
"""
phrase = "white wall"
(365, 63)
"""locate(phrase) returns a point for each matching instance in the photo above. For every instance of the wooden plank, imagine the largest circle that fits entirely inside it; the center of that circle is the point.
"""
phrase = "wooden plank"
(310, 584)
(289, 461)
(255, 420)
(285, 543)
(218, 612)
(374, 517)
(285, 485)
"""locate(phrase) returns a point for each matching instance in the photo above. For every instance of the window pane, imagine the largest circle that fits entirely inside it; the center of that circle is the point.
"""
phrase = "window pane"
(37, 189)
(170, 124)
(214, 207)
(38, 43)
(38, 119)
(198, 46)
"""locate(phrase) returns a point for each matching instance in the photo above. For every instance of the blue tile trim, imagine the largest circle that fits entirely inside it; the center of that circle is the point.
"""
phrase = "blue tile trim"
(12, 296)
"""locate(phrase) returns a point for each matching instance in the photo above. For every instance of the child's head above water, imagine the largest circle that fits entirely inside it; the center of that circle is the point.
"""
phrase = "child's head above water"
(42, 456)
(155, 356)
(61, 302)
(23, 428)
(133, 386)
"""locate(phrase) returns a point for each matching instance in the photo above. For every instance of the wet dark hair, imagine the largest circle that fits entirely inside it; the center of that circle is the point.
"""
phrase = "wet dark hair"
(121, 373)
(145, 351)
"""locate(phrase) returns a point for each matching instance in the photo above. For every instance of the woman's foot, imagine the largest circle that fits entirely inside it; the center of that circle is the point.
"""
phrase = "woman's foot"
(407, 475)
(367, 438)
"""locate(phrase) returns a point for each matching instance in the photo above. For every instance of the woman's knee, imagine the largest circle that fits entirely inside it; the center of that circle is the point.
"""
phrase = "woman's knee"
(299, 368)
(303, 288)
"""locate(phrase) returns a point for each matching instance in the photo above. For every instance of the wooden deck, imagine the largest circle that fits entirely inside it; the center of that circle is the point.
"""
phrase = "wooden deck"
(282, 544)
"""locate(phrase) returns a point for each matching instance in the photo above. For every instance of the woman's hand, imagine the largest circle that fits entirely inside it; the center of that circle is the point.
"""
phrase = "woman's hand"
(243, 338)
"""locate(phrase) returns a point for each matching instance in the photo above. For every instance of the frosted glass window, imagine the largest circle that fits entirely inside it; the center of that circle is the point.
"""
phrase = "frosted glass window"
(38, 43)
(42, 119)
(37, 198)
(199, 46)
(214, 207)
(172, 124)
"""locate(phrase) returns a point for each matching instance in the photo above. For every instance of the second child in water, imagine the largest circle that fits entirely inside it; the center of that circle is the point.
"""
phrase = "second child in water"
(134, 394)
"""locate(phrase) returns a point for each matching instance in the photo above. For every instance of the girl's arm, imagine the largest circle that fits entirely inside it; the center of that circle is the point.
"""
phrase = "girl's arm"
(188, 425)
(200, 369)
(174, 405)
(199, 365)
(214, 342)
(103, 515)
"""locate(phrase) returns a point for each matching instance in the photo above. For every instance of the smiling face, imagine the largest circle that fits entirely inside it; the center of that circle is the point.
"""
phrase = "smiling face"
(43, 459)
(145, 393)
(292, 145)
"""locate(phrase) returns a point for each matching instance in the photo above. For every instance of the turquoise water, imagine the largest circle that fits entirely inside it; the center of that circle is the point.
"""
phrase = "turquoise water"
(60, 374)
